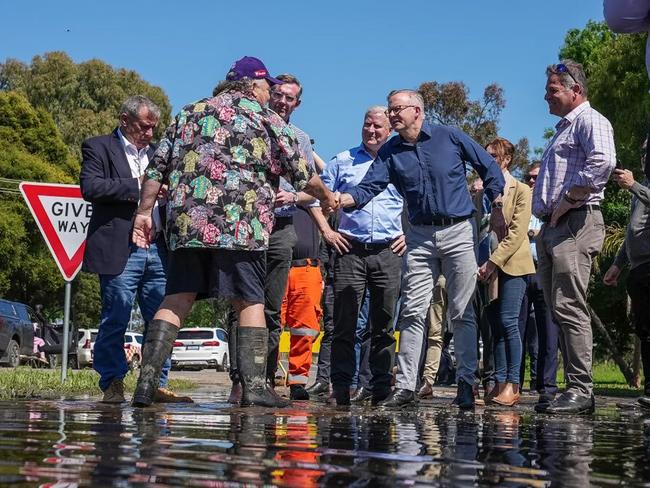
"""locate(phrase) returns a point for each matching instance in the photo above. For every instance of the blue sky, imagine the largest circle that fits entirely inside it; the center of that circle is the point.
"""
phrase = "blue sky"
(348, 54)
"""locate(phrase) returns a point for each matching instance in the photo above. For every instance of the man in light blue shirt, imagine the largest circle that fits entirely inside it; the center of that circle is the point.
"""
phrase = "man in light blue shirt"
(369, 243)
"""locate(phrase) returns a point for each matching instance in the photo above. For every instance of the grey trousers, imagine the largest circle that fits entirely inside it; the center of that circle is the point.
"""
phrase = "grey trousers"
(436, 319)
(430, 251)
(565, 255)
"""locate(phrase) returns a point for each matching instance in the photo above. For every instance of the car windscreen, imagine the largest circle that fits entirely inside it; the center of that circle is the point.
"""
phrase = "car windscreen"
(195, 334)
(93, 336)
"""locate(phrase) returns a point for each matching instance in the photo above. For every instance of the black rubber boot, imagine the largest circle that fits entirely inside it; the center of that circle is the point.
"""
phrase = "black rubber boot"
(252, 346)
(156, 348)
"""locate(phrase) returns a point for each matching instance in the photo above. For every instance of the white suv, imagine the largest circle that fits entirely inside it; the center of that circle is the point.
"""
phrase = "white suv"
(85, 345)
(198, 348)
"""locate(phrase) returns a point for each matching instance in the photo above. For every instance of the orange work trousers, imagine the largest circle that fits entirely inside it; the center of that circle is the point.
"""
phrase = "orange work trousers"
(301, 312)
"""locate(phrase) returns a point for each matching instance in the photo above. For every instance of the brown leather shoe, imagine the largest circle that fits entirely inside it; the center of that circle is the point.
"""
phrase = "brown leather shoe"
(114, 393)
(509, 395)
(164, 395)
(495, 391)
(426, 390)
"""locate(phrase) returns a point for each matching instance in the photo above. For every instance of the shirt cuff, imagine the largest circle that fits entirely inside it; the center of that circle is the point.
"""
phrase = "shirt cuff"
(153, 174)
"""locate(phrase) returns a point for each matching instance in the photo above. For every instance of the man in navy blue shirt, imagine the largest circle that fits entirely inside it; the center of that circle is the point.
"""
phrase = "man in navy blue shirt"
(427, 164)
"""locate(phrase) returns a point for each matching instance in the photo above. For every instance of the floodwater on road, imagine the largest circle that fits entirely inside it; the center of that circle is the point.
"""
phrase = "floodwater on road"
(80, 442)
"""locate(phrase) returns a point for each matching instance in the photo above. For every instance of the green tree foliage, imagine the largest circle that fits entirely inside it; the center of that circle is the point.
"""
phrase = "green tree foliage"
(84, 99)
(212, 312)
(31, 148)
(450, 104)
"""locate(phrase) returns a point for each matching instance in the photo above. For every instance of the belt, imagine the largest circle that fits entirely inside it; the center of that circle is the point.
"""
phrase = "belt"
(368, 246)
(302, 263)
(443, 221)
(590, 207)
(282, 221)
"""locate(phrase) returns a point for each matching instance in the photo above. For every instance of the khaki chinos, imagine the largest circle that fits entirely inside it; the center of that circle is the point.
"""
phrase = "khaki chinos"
(565, 254)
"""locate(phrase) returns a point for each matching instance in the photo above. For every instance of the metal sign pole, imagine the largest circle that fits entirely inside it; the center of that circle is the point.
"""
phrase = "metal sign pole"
(66, 329)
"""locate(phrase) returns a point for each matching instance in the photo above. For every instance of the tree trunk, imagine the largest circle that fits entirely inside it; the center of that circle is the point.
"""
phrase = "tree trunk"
(615, 353)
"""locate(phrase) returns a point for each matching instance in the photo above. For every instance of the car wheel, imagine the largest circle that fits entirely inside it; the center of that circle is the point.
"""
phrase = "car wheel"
(225, 364)
(13, 354)
(135, 363)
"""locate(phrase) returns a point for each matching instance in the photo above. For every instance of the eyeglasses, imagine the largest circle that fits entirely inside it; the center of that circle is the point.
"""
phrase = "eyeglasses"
(276, 95)
(563, 68)
(397, 109)
(531, 177)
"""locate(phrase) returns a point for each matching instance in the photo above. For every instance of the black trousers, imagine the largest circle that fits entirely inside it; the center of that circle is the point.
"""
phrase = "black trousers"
(638, 287)
(278, 264)
(379, 270)
(327, 258)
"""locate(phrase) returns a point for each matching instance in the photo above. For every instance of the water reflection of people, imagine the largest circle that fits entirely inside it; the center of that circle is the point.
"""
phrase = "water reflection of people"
(501, 445)
(564, 448)
(298, 458)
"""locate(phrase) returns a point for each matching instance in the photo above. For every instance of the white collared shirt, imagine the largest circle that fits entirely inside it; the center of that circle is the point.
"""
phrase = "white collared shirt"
(137, 159)
(138, 162)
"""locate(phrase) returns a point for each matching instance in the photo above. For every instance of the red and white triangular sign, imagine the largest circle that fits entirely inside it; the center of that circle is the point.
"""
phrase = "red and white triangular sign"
(63, 216)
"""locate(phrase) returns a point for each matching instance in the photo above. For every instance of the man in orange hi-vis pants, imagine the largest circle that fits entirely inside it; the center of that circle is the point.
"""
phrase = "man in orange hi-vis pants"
(301, 309)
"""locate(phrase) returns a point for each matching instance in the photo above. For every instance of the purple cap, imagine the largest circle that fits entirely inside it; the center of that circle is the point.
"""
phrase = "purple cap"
(250, 67)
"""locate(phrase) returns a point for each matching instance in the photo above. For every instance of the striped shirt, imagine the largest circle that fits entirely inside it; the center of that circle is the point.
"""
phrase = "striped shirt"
(581, 153)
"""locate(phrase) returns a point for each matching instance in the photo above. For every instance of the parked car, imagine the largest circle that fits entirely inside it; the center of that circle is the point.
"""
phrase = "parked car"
(85, 346)
(16, 332)
(201, 348)
(133, 349)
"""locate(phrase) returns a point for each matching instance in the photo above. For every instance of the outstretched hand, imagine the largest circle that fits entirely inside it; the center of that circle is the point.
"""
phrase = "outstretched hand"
(142, 231)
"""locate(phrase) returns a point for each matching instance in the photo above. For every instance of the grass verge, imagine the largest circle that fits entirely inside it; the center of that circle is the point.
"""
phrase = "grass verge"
(26, 382)
(608, 380)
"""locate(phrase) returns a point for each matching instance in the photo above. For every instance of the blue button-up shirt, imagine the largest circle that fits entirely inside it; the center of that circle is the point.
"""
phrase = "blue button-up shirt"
(430, 174)
(381, 219)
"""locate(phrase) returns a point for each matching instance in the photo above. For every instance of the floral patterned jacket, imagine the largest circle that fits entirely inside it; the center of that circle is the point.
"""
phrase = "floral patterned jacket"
(222, 158)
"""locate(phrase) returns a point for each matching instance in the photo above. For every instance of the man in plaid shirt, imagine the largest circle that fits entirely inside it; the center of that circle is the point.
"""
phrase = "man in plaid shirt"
(575, 168)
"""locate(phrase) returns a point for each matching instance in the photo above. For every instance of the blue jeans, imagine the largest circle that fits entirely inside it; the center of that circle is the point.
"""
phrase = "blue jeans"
(361, 335)
(144, 277)
(503, 315)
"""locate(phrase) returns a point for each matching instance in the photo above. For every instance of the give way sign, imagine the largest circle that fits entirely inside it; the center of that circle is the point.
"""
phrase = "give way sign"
(62, 216)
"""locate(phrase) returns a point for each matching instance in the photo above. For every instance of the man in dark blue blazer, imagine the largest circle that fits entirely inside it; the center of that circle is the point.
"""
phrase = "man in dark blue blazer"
(111, 174)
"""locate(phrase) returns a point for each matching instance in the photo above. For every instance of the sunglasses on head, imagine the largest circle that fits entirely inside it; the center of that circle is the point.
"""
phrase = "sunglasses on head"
(563, 68)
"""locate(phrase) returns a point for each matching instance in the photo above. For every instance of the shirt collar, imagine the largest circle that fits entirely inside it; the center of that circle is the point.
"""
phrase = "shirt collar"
(360, 148)
(426, 129)
(571, 116)
(129, 146)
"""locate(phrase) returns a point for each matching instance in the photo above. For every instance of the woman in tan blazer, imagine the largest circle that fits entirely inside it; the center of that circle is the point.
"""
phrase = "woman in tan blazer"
(509, 263)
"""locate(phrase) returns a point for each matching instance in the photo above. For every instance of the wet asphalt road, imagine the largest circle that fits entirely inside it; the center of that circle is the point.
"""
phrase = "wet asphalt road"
(80, 442)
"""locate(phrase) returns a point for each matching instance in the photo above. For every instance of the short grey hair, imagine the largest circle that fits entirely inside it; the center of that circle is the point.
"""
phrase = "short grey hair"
(574, 74)
(414, 95)
(132, 106)
(376, 109)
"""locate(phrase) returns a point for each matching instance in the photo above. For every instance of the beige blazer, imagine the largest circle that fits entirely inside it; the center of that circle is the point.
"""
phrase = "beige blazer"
(512, 255)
